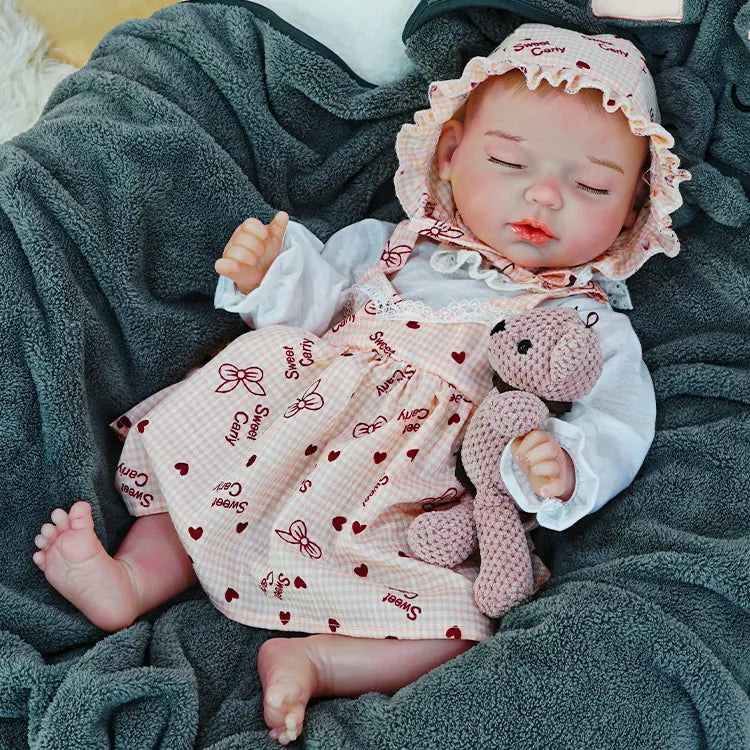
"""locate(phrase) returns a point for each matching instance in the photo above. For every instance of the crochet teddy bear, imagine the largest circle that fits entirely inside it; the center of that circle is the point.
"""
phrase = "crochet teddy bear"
(543, 360)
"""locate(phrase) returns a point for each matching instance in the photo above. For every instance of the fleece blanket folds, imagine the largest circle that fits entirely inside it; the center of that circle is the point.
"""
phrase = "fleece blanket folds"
(113, 208)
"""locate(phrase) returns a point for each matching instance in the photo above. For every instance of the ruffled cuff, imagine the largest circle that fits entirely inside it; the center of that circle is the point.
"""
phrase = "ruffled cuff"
(551, 512)
(300, 288)
(227, 296)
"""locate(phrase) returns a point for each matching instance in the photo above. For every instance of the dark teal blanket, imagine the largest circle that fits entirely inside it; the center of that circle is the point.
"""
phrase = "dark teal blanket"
(113, 208)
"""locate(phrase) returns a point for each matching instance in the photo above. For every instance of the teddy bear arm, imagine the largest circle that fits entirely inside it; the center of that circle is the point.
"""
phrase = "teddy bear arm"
(499, 418)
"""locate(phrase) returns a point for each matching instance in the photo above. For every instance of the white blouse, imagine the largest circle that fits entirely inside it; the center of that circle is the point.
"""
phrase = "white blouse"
(607, 433)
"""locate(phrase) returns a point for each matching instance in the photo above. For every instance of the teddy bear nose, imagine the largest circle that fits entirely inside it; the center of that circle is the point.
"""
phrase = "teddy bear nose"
(523, 346)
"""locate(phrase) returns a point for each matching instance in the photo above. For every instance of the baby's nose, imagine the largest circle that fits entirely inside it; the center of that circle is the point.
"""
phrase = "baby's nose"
(544, 192)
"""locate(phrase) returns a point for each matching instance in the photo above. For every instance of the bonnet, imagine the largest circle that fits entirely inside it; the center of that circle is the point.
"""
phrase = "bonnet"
(563, 58)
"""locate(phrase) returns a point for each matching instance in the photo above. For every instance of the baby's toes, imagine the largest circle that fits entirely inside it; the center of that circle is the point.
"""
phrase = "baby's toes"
(80, 516)
(283, 704)
(61, 519)
(292, 725)
(46, 536)
(40, 559)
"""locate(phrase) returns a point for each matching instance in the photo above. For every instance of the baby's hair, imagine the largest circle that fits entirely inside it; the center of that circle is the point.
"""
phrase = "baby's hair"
(514, 80)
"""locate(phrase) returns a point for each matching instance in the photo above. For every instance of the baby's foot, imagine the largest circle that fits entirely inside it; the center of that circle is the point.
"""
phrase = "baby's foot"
(77, 565)
(289, 677)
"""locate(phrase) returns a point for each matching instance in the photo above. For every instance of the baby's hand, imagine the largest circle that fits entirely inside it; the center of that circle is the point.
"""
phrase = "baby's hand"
(547, 466)
(251, 250)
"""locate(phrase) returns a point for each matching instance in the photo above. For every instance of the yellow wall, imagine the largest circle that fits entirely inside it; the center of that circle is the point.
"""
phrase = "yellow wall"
(74, 27)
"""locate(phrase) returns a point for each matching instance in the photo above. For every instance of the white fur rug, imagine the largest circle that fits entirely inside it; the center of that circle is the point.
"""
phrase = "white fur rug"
(27, 73)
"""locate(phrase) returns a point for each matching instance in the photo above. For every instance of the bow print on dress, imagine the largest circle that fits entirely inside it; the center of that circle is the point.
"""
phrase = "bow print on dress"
(297, 534)
(310, 399)
(394, 257)
(362, 428)
(232, 376)
(449, 497)
(441, 230)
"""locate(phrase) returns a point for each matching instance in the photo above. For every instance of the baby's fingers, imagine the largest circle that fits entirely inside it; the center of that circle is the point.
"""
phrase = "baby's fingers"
(545, 451)
(545, 469)
(531, 440)
(278, 224)
(276, 230)
(246, 278)
(554, 488)
(254, 228)
(226, 267)
(243, 275)
(242, 255)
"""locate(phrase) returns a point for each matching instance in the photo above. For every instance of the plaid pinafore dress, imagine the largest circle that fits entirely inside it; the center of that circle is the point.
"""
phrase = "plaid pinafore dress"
(292, 465)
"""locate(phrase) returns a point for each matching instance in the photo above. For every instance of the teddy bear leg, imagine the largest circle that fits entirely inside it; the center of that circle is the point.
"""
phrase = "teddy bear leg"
(505, 577)
(444, 537)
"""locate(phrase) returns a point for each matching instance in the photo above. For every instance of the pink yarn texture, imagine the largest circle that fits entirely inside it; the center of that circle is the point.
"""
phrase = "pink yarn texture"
(546, 354)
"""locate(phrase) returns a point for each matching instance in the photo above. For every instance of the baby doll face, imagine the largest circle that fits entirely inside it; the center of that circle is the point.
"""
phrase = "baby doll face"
(548, 181)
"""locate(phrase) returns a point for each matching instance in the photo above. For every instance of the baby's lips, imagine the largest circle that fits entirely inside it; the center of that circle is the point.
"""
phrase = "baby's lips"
(537, 235)
(534, 224)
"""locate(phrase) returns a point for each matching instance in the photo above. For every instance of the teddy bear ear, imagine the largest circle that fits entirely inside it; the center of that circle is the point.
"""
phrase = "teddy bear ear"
(500, 326)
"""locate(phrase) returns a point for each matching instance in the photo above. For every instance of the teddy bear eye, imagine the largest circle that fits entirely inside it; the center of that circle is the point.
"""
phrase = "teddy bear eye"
(500, 326)
(523, 346)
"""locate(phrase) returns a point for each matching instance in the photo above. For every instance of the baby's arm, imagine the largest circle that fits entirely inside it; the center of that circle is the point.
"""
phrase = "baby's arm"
(606, 434)
(306, 283)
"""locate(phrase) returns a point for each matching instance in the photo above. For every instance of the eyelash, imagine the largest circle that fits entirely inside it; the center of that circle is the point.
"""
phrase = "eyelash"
(595, 191)
(505, 163)
(588, 189)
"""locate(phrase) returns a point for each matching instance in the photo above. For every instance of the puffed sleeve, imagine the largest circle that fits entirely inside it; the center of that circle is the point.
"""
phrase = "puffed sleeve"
(607, 433)
(305, 286)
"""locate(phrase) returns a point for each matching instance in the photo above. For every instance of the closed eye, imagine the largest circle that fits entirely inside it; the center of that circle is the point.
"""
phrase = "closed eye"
(505, 163)
(588, 189)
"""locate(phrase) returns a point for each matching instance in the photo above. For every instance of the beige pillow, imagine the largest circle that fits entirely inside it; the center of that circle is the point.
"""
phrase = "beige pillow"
(74, 27)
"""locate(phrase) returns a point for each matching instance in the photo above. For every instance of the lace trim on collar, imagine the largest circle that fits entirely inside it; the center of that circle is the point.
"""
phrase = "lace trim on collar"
(376, 295)
(452, 261)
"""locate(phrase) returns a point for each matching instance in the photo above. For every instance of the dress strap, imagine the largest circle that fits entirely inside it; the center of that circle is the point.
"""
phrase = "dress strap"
(398, 248)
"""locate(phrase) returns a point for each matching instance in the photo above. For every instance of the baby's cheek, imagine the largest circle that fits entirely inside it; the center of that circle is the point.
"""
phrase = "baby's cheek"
(479, 201)
(602, 229)
(480, 190)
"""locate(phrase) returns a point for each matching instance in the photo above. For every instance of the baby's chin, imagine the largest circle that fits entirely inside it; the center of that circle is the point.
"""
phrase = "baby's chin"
(522, 255)
(548, 257)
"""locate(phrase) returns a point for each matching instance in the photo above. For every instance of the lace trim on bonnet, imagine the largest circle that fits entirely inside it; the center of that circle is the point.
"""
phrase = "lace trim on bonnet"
(562, 57)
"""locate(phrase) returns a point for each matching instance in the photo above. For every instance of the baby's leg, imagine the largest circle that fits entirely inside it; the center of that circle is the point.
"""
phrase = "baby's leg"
(292, 670)
(150, 567)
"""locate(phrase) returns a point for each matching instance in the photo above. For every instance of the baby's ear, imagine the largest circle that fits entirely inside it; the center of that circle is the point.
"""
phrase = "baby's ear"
(640, 197)
(450, 137)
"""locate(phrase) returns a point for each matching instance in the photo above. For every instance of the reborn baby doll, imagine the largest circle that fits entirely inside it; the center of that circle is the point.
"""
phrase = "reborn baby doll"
(284, 474)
